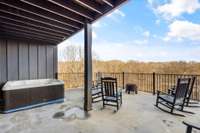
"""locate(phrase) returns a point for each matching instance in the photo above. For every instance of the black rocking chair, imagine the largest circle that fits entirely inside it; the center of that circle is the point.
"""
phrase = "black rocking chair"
(178, 99)
(189, 93)
(111, 96)
(96, 89)
(96, 92)
(191, 126)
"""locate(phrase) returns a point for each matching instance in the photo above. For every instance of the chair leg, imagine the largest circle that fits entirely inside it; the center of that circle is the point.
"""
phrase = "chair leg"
(172, 109)
(157, 100)
(117, 105)
(182, 106)
(118, 101)
(189, 129)
(121, 99)
(103, 104)
(187, 102)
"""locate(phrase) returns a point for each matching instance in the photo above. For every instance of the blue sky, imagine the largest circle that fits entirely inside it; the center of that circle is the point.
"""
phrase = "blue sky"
(147, 30)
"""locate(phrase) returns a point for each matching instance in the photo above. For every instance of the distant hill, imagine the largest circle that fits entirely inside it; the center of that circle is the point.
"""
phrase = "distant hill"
(177, 67)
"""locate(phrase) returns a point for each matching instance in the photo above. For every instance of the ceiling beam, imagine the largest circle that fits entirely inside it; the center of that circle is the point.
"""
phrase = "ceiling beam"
(19, 35)
(109, 2)
(73, 7)
(52, 19)
(90, 4)
(24, 30)
(47, 6)
(107, 9)
(35, 18)
(28, 27)
(40, 13)
(32, 23)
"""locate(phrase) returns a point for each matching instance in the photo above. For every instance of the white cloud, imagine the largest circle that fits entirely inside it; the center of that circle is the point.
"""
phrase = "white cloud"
(140, 42)
(128, 51)
(107, 50)
(94, 35)
(157, 21)
(146, 34)
(155, 36)
(97, 24)
(177, 7)
(116, 14)
(150, 2)
(183, 30)
(131, 51)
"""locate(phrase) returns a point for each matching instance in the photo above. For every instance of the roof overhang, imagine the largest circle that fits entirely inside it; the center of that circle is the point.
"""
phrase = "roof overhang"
(50, 20)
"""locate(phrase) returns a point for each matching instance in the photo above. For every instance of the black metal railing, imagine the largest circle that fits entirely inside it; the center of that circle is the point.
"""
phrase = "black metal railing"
(146, 82)
(72, 80)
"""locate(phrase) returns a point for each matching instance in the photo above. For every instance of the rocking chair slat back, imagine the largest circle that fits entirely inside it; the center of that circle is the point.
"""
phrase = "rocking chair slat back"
(182, 88)
(109, 86)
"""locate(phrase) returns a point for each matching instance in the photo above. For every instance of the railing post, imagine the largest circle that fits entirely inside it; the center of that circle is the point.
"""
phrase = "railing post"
(123, 80)
(154, 84)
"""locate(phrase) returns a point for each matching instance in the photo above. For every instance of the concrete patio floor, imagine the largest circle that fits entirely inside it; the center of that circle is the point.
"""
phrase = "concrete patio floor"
(137, 115)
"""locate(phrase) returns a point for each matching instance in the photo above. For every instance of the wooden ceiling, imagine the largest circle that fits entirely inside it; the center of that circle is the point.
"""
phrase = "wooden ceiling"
(50, 20)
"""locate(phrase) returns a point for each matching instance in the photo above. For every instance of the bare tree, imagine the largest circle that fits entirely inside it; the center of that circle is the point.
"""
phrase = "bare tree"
(73, 59)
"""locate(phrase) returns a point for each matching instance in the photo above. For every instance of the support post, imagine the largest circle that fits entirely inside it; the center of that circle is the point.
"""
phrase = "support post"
(87, 66)
(56, 75)
(123, 82)
(154, 84)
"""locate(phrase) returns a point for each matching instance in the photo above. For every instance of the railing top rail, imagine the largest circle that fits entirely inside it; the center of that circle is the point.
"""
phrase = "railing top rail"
(178, 74)
(151, 73)
(116, 73)
(71, 73)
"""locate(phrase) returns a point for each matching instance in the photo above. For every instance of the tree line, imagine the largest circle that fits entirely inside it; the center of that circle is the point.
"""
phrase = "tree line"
(71, 61)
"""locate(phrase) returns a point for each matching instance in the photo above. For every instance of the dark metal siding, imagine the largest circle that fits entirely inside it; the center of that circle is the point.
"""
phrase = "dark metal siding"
(12, 59)
(33, 61)
(3, 62)
(42, 61)
(23, 61)
(55, 59)
(50, 64)
(26, 60)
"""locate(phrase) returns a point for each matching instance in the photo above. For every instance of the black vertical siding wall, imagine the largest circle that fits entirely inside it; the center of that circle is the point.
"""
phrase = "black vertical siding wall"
(21, 60)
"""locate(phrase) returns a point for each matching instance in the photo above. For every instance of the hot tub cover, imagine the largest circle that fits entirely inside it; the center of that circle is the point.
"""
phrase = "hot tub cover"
(21, 84)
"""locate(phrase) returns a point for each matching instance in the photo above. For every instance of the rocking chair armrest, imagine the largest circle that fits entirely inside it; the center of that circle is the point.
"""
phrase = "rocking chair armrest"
(120, 91)
(93, 83)
(172, 90)
(161, 92)
(96, 88)
(193, 125)
(173, 87)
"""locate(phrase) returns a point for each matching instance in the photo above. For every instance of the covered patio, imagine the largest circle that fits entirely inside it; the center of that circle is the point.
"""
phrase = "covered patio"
(30, 31)
(137, 114)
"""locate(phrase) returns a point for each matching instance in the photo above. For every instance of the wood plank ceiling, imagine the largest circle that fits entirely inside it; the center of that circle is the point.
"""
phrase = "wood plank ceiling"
(50, 20)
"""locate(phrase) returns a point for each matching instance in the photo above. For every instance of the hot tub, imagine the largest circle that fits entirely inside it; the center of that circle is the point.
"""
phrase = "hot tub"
(25, 94)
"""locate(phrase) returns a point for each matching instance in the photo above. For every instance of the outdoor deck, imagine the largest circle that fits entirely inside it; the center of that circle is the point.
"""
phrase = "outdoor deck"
(137, 115)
